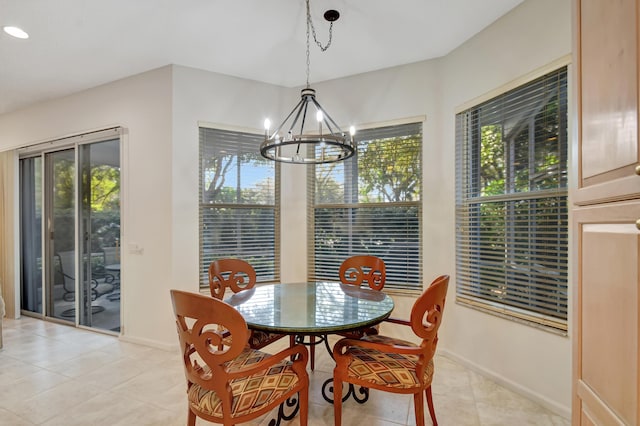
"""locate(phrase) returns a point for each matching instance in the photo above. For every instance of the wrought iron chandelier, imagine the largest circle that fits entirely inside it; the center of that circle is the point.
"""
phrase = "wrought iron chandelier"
(291, 142)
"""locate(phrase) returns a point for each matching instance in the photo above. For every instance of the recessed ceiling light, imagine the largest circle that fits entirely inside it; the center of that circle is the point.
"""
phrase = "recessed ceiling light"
(16, 32)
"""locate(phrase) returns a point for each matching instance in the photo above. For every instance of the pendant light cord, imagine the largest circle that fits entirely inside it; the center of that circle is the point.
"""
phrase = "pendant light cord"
(311, 28)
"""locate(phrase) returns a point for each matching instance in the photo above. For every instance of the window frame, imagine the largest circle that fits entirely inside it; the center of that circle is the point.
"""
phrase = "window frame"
(468, 180)
(238, 133)
(352, 207)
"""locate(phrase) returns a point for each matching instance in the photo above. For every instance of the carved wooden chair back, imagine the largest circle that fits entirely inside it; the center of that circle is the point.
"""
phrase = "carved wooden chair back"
(238, 275)
(235, 274)
(364, 268)
(228, 382)
(400, 366)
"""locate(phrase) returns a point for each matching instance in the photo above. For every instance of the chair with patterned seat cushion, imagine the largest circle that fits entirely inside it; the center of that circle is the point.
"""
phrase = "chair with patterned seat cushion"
(238, 275)
(393, 365)
(234, 384)
(358, 270)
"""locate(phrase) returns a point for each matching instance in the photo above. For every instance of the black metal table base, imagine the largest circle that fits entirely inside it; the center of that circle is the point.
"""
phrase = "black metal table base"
(360, 396)
(292, 402)
(300, 338)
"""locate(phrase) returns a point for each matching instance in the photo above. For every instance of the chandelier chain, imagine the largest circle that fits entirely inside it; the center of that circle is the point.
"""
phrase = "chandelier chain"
(304, 145)
(311, 27)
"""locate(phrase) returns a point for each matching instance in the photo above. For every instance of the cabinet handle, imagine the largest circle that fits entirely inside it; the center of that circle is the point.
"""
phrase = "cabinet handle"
(638, 170)
(638, 223)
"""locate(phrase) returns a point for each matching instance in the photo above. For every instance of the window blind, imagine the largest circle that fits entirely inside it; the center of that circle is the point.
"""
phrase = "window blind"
(239, 203)
(511, 203)
(370, 204)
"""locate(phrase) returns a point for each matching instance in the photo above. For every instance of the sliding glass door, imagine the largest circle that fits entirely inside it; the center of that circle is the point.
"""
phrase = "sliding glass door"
(99, 228)
(31, 234)
(60, 219)
(70, 234)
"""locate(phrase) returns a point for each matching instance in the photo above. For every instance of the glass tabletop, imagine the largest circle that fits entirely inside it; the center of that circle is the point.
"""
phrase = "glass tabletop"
(311, 308)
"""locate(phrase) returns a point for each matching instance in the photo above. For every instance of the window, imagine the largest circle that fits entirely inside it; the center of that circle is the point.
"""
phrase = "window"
(511, 203)
(370, 204)
(239, 203)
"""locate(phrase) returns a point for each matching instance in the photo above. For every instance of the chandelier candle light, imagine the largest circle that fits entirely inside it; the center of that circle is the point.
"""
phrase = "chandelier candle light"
(330, 144)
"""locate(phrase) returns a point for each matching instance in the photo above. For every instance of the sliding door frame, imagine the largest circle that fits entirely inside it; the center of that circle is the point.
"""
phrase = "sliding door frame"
(41, 150)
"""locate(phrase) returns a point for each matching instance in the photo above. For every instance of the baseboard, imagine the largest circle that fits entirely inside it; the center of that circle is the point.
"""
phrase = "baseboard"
(552, 406)
(150, 343)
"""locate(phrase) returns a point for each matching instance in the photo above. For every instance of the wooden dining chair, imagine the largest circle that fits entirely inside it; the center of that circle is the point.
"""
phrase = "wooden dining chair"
(393, 365)
(361, 269)
(234, 384)
(238, 275)
(358, 270)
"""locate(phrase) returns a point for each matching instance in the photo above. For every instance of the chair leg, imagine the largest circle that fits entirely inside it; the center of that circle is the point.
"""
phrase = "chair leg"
(337, 402)
(191, 418)
(418, 402)
(432, 410)
(312, 351)
(304, 405)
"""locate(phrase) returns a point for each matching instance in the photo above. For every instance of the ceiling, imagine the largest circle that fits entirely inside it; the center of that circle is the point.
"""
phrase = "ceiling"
(78, 44)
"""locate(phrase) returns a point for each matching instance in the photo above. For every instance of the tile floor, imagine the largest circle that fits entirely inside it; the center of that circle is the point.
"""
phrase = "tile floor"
(52, 374)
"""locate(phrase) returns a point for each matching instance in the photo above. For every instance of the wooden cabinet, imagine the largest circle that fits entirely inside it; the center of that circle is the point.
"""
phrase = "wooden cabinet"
(606, 215)
(607, 326)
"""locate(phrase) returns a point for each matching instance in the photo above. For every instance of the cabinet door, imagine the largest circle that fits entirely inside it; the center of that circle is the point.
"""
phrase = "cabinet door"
(607, 67)
(606, 364)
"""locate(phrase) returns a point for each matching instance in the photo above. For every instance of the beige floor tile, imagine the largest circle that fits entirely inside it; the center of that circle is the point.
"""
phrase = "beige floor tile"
(114, 374)
(54, 402)
(105, 408)
(559, 421)
(12, 394)
(7, 418)
(489, 394)
(451, 409)
(496, 415)
(13, 370)
(83, 364)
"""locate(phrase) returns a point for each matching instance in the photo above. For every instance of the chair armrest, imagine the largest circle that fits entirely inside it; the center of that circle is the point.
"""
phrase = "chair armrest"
(299, 363)
(342, 345)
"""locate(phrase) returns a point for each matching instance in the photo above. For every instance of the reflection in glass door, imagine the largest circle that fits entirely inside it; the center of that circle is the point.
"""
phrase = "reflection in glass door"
(59, 196)
(99, 226)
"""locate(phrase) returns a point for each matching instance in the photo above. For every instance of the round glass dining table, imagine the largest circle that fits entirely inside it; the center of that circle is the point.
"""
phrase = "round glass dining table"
(311, 308)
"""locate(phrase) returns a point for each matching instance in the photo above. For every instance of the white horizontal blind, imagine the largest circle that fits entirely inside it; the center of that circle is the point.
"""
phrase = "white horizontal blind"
(511, 203)
(370, 204)
(239, 203)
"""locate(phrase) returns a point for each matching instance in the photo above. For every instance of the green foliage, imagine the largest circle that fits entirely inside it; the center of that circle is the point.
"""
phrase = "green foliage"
(104, 193)
(527, 157)
(105, 188)
(492, 173)
(63, 185)
(389, 170)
